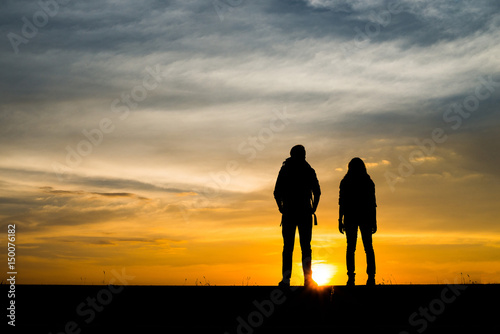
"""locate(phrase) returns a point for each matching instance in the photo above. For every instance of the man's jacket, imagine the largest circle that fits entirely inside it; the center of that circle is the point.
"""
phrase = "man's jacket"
(296, 187)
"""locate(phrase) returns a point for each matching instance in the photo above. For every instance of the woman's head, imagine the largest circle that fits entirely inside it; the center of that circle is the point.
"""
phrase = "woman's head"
(357, 167)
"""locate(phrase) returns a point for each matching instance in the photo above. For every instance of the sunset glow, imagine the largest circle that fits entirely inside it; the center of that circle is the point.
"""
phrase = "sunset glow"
(323, 273)
(147, 137)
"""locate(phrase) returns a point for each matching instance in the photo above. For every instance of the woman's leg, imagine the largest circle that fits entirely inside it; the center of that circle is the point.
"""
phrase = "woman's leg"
(366, 236)
(351, 232)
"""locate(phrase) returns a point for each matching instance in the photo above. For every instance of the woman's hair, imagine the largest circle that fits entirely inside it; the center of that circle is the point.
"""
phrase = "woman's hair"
(356, 167)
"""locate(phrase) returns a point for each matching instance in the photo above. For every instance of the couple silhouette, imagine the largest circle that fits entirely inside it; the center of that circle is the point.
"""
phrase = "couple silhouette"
(297, 193)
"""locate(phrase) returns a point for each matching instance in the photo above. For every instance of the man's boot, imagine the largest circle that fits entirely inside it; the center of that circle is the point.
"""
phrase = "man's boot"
(308, 280)
(285, 283)
(350, 280)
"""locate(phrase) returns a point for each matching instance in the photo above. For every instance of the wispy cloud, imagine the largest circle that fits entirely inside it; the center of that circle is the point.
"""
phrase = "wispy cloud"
(356, 78)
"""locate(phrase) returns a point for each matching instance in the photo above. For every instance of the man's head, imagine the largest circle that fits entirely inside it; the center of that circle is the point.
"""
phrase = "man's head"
(298, 152)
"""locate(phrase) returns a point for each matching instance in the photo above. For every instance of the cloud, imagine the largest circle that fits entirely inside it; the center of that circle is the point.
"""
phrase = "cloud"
(53, 191)
(357, 78)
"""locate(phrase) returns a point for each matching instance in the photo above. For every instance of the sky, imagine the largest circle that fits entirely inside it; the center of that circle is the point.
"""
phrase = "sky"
(146, 136)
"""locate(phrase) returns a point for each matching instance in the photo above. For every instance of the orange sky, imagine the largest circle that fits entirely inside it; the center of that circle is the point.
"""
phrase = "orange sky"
(147, 137)
(235, 239)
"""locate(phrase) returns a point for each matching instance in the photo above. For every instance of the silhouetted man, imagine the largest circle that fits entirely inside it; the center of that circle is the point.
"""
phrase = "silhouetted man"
(297, 194)
(357, 205)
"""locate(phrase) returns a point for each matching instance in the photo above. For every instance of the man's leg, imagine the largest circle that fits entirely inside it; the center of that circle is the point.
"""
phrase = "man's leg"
(305, 235)
(288, 231)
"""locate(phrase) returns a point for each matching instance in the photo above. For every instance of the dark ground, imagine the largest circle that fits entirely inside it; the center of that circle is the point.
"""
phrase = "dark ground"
(255, 309)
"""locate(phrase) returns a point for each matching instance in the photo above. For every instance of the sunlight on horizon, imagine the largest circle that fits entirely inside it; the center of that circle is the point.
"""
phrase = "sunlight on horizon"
(323, 273)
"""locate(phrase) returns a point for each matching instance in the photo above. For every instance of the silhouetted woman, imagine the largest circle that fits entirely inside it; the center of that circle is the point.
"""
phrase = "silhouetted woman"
(357, 207)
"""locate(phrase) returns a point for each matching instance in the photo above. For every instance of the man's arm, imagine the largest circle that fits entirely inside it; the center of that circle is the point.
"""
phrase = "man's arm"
(315, 201)
(279, 202)
(316, 190)
(341, 210)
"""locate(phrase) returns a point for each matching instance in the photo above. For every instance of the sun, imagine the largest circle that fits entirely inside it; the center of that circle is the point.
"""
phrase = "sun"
(323, 273)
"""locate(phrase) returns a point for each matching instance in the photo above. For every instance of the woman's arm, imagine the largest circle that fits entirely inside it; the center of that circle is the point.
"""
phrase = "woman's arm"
(341, 224)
